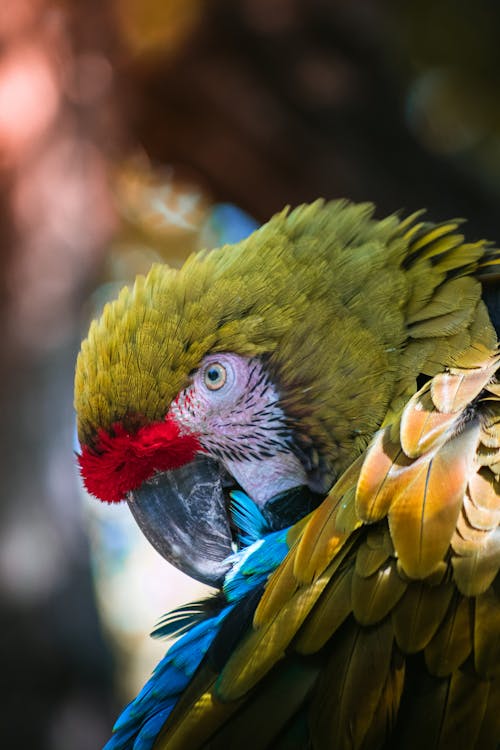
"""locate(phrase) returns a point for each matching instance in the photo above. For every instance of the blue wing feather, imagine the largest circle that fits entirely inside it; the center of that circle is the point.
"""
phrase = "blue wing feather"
(248, 518)
(139, 724)
(134, 728)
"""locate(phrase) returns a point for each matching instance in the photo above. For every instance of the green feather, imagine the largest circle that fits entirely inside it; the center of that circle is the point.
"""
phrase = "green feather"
(308, 290)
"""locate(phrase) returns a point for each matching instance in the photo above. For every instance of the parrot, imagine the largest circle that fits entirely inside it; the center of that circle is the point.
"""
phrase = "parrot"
(308, 420)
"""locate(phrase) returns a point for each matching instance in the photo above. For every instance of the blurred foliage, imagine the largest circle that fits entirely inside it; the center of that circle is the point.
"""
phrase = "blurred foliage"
(160, 213)
(153, 28)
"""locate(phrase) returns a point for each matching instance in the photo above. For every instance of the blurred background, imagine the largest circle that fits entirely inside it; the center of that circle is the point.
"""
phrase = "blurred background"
(139, 130)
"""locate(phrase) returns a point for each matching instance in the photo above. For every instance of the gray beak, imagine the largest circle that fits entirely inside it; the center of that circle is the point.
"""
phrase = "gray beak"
(183, 514)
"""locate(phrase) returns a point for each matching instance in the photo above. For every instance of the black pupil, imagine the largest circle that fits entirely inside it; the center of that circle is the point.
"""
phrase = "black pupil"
(213, 374)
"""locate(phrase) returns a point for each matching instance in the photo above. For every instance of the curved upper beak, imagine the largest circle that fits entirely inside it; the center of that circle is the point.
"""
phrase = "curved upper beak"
(182, 512)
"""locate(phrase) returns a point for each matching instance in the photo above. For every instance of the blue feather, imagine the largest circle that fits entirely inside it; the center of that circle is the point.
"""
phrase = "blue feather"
(247, 517)
(134, 728)
(184, 618)
(252, 566)
(140, 723)
(151, 728)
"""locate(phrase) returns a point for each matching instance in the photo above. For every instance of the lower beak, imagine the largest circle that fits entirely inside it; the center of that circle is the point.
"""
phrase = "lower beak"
(183, 514)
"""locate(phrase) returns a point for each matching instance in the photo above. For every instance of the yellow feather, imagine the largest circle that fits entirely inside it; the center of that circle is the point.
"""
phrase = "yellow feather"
(431, 234)
(255, 725)
(332, 609)
(419, 613)
(474, 574)
(480, 493)
(441, 245)
(369, 559)
(262, 648)
(465, 709)
(360, 659)
(374, 597)
(451, 392)
(423, 427)
(384, 462)
(323, 536)
(452, 643)
(424, 512)
(203, 717)
(385, 715)
(487, 633)
(490, 729)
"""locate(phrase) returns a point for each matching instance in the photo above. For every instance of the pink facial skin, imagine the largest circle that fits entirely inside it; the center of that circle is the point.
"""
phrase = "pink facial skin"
(238, 420)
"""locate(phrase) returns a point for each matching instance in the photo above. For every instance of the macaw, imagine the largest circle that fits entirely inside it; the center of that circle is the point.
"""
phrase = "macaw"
(309, 421)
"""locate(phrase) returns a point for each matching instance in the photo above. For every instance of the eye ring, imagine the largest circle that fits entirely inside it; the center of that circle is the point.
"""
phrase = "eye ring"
(215, 376)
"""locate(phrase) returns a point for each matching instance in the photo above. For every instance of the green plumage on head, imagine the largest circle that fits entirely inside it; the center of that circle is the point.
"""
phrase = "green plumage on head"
(307, 291)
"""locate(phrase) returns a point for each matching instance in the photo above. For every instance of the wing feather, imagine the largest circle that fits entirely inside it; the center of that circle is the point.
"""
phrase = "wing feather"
(419, 613)
(261, 648)
(465, 709)
(487, 632)
(360, 660)
(332, 609)
(296, 679)
(424, 512)
(489, 734)
(423, 426)
(452, 643)
(369, 558)
(374, 597)
(385, 715)
(324, 536)
(390, 590)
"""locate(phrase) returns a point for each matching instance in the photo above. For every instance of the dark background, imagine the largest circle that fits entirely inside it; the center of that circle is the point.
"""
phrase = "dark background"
(254, 102)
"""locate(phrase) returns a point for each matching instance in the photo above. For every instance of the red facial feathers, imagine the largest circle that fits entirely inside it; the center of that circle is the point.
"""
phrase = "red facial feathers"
(121, 461)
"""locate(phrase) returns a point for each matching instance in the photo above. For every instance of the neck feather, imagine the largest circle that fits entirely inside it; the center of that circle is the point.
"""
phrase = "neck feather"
(264, 478)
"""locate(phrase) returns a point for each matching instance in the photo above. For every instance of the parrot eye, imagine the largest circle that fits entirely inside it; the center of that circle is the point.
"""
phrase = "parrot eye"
(214, 376)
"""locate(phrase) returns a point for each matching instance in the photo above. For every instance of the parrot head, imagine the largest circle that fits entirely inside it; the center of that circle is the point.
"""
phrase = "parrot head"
(266, 365)
(224, 429)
